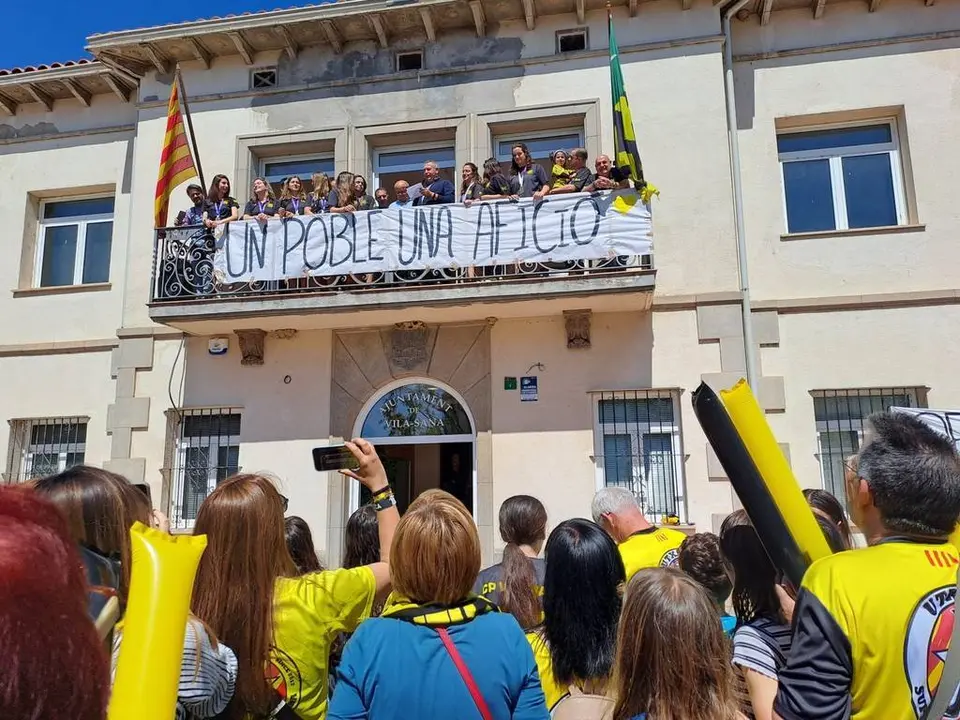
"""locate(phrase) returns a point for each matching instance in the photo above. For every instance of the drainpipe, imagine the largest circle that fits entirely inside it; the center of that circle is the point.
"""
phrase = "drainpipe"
(748, 345)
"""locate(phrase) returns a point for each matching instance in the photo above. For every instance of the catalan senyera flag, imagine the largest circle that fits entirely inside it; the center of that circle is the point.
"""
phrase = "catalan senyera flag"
(176, 160)
(624, 140)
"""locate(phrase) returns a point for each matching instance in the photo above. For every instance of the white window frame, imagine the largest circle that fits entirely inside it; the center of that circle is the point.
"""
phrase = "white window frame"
(674, 430)
(835, 157)
(81, 221)
(538, 135)
(409, 167)
(264, 161)
(916, 393)
(211, 443)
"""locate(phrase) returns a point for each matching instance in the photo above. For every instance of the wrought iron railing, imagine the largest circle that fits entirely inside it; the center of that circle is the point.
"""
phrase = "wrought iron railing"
(184, 268)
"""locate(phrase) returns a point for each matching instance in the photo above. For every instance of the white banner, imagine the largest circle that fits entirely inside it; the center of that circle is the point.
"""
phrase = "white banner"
(559, 228)
(945, 422)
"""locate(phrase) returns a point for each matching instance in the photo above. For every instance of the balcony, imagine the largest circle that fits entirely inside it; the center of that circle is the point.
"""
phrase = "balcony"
(567, 252)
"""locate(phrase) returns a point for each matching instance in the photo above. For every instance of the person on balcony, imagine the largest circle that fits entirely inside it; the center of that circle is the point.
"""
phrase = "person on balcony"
(364, 201)
(495, 184)
(317, 200)
(530, 180)
(470, 188)
(581, 176)
(293, 200)
(220, 207)
(193, 216)
(342, 198)
(262, 205)
(383, 200)
(401, 188)
(607, 176)
(435, 190)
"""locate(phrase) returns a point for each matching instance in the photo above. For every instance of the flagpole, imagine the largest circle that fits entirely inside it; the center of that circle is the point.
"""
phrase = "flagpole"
(193, 138)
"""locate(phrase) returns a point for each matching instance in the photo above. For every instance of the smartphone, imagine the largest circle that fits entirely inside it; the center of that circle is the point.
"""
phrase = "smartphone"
(334, 457)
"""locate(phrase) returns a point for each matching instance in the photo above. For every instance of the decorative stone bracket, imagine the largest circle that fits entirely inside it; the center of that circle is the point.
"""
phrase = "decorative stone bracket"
(251, 346)
(578, 328)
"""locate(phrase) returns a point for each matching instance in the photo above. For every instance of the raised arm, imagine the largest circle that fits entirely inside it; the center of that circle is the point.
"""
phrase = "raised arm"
(373, 477)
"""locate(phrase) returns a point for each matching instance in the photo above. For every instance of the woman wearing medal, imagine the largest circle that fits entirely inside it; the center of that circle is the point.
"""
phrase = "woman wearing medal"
(262, 205)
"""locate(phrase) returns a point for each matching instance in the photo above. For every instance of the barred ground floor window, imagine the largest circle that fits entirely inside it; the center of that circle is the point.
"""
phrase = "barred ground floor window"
(638, 445)
(203, 449)
(45, 446)
(840, 416)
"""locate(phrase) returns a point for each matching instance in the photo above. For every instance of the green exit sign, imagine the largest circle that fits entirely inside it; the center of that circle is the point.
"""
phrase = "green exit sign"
(509, 383)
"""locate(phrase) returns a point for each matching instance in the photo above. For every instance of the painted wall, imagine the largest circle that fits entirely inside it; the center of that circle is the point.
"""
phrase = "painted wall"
(280, 422)
(877, 348)
(916, 79)
(56, 168)
(51, 386)
(545, 448)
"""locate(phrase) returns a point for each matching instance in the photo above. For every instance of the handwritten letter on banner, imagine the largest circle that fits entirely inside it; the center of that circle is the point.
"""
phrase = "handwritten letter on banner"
(562, 227)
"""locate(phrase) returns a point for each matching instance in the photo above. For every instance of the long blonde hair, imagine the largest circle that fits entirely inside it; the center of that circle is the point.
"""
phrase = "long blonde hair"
(673, 661)
(345, 192)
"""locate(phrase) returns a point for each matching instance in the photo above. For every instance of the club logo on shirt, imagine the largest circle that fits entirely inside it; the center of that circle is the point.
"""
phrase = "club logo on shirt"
(284, 676)
(670, 558)
(925, 649)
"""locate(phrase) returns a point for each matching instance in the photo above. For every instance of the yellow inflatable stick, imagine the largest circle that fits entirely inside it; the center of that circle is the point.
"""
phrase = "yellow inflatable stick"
(753, 429)
(161, 582)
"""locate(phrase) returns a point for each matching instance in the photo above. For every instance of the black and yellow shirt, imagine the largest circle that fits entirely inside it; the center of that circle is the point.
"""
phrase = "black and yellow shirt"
(220, 209)
(268, 207)
(653, 547)
(871, 631)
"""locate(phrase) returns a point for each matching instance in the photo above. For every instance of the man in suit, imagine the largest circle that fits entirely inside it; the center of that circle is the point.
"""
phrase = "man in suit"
(435, 190)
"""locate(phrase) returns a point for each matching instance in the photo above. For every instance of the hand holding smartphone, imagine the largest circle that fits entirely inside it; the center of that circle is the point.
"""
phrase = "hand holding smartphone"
(334, 457)
(357, 459)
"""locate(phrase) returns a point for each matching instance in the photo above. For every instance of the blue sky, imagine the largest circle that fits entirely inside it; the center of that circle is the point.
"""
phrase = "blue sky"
(57, 31)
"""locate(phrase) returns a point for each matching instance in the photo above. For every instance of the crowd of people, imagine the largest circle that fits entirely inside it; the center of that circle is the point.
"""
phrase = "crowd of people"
(348, 192)
(611, 617)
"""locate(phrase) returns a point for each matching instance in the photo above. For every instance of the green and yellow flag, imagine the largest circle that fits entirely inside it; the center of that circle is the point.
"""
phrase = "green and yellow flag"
(624, 140)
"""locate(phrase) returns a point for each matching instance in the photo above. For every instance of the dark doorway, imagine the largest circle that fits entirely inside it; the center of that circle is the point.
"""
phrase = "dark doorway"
(413, 469)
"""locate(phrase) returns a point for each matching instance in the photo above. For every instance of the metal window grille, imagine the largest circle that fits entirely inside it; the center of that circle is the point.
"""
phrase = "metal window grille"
(638, 446)
(839, 416)
(263, 78)
(207, 452)
(45, 446)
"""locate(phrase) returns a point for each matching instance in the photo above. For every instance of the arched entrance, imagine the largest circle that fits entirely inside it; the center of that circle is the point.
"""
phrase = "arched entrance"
(426, 437)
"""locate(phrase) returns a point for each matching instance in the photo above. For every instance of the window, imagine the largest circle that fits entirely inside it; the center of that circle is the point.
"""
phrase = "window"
(842, 178)
(46, 446)
(276, 170)
(839, 415)
(540, 145)
(571, 40)
(392, 164)
(637, 446)
(74, 243)
(207, 452)
(409, 60)
(263, 78)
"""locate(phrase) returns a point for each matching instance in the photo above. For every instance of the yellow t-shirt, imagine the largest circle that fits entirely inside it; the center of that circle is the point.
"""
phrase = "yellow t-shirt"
(309, 612)
(552, 691)
(653, 547)
(871, 631)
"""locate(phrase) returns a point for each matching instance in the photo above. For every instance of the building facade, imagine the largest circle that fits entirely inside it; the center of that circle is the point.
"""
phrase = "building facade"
(845, 117)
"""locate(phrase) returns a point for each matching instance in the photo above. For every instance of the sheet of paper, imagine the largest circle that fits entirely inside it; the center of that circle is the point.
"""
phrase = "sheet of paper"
(415, 191)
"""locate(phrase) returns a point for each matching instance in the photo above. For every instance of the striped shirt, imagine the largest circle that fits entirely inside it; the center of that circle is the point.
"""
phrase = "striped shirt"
(208, 675)
(762, 645)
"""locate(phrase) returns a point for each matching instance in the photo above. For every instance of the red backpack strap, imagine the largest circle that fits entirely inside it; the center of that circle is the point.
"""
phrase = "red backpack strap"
(464, 673)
